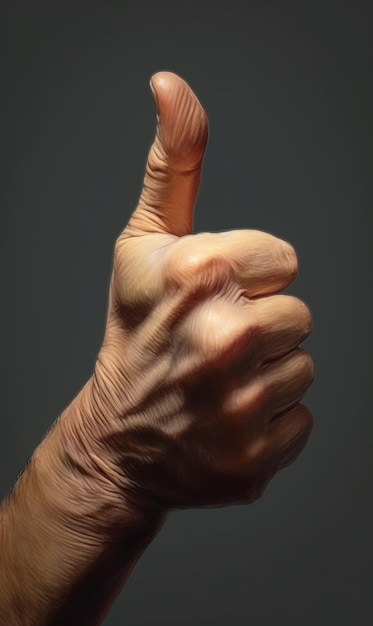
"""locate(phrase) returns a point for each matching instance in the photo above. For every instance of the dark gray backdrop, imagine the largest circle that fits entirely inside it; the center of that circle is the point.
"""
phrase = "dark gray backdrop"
(288, 90)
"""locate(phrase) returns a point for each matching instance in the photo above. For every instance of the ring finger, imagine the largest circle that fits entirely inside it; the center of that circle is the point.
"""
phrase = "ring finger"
(273, 389)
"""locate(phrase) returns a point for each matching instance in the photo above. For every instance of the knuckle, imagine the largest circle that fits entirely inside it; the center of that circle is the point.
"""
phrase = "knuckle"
(291, 260)
(256, 453)
(237, 338)
(246, 400)
(254, 340)
(258, 399)
(304, 317)
(306, 419)
(259, 486)
(306, 365)
(196, 262)
(222, 334)
(301, 431)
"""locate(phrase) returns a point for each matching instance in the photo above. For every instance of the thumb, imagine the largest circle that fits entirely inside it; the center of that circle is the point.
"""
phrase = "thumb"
(173, 168)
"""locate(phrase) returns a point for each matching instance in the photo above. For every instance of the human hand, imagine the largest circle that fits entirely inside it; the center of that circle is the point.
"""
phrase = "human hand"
(196, 390)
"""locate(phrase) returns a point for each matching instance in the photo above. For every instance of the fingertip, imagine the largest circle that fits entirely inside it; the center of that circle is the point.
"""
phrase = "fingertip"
(162, 84)
(154, 92)
(164, 78)
(182, 121)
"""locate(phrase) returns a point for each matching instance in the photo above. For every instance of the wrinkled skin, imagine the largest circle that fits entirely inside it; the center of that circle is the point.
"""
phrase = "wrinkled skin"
(195, 399)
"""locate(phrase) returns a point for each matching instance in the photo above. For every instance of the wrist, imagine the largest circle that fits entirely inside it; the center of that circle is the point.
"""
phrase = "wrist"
(69, 537)
(87, 485)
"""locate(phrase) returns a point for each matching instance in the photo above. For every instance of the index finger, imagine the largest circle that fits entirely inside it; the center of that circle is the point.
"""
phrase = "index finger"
(262, 264)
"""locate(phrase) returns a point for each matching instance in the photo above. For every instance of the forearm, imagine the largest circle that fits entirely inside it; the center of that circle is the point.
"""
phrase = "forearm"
(68, 537)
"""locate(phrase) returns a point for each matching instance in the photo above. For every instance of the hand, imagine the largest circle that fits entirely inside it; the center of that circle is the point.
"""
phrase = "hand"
(197, 385)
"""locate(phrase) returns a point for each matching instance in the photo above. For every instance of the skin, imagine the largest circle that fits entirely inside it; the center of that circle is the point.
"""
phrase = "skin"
(194, 400)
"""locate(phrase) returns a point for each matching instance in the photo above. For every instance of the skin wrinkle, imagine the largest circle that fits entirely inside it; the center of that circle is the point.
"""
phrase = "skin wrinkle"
(194, 400)
(210, 272)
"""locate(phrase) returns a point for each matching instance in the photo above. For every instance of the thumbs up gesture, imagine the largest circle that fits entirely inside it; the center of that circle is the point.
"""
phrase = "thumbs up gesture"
(196, 391)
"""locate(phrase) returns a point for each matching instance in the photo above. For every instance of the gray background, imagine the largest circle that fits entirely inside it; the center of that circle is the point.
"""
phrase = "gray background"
(288, 90)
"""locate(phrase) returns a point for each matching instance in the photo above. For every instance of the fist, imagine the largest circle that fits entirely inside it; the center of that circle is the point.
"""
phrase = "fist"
(197, 386)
